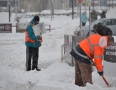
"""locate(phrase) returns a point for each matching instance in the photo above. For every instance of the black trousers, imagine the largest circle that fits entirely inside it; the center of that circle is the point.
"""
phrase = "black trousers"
(32, 53)
(83, 24)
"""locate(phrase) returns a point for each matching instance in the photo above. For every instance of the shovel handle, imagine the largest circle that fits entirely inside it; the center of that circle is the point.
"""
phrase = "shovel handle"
(105, 81)
(103, 77)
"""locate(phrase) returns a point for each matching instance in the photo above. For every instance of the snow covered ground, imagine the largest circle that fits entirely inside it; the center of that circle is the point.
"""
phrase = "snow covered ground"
(54, 75)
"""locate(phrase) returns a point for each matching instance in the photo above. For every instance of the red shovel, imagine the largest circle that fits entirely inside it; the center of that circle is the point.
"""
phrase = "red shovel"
(103, 78)
(105, 81)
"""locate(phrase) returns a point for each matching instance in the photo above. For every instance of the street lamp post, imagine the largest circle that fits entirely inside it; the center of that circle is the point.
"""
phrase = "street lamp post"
(28, 5)
(93, 4)
(9, 11)
(72, 10)
(112, 3)
(51, 7)
(85, 7)
(15, 10)
(109, 4)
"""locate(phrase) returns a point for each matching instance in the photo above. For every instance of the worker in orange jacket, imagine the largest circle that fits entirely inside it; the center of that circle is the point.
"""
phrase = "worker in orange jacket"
(88, 49)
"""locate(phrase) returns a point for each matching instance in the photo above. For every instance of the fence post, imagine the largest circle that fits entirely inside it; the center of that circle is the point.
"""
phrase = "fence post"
(50, 28)
(62, 52)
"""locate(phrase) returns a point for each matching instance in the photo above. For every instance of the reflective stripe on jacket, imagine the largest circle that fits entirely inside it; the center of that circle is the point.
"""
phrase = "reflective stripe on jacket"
(91, 47)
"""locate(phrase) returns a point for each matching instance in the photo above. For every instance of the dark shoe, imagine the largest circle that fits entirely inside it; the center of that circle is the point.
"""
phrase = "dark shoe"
(33, 68)
(38, 69)
(28, 69)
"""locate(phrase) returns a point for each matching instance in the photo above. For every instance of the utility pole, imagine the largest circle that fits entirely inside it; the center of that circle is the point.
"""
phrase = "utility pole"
(51, 7)
(9, 11)
(112, 3)
(28, 5)
(72, 10)
(15, 9)
(85, 7)
(93, 4)
(63, 4)
(80, 15)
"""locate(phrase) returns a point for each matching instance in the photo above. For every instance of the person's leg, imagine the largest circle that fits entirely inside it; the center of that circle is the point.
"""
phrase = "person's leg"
(35, 58)
(83, 24)
(86, 72)
(78, 78)
(28, 58)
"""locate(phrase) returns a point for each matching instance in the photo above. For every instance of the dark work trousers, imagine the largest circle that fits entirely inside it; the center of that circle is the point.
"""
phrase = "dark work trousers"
(32, 53)
(83, 73)
(83, 24)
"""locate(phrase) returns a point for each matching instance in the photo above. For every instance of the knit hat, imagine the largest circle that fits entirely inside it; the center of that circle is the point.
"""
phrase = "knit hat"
(36, 18)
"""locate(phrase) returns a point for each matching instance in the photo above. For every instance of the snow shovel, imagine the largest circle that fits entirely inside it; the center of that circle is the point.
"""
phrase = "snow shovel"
(105, 81)
(103, 77)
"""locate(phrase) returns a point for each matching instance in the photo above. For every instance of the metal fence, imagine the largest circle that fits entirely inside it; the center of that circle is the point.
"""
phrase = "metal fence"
(70, 41)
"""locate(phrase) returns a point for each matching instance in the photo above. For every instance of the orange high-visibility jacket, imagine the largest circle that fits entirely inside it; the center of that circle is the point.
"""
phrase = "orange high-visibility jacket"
(91, 47)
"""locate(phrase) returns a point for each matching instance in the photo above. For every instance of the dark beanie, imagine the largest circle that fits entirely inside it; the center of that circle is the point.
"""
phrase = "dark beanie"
(36, 18)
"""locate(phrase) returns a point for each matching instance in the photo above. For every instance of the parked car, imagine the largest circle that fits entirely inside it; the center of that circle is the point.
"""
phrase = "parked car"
(109, 22)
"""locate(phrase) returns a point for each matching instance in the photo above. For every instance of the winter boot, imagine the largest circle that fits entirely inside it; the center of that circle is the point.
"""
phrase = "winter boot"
(38, 69)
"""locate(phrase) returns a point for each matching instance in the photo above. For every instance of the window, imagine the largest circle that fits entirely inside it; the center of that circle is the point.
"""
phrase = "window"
(13, 3)
(3, 3)
(113, 21)
(107, 22)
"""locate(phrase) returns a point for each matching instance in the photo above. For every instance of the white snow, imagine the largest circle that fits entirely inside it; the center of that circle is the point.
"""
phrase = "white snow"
(54, 74)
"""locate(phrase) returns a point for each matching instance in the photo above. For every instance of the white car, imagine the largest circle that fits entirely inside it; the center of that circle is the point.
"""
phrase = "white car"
(109, 22)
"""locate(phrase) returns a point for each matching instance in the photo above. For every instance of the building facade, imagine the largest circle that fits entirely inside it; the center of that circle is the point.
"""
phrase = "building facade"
(39, 5)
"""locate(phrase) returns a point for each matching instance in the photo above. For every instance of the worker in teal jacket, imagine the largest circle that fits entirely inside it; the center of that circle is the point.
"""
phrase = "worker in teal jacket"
(84, 18)
(32, 43)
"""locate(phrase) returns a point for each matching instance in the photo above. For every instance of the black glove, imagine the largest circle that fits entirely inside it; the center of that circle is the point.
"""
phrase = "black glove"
(100, 73)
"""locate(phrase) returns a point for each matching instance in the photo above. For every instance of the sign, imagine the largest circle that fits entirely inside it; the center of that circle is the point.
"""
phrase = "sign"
(5, 27)
(110, 53)
(88, 2)
(42, 27)
(79, 1)
(37, 30)
(103, 2)
(3, 3)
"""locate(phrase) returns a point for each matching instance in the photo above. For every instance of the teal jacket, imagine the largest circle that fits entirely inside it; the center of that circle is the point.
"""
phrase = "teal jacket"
(31, 34)
(84, 18)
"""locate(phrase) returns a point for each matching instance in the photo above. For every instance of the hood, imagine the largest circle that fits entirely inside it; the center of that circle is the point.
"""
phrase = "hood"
(32, 21)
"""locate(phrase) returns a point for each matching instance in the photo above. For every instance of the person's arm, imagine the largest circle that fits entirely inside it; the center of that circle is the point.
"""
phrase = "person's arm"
(98, 57)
